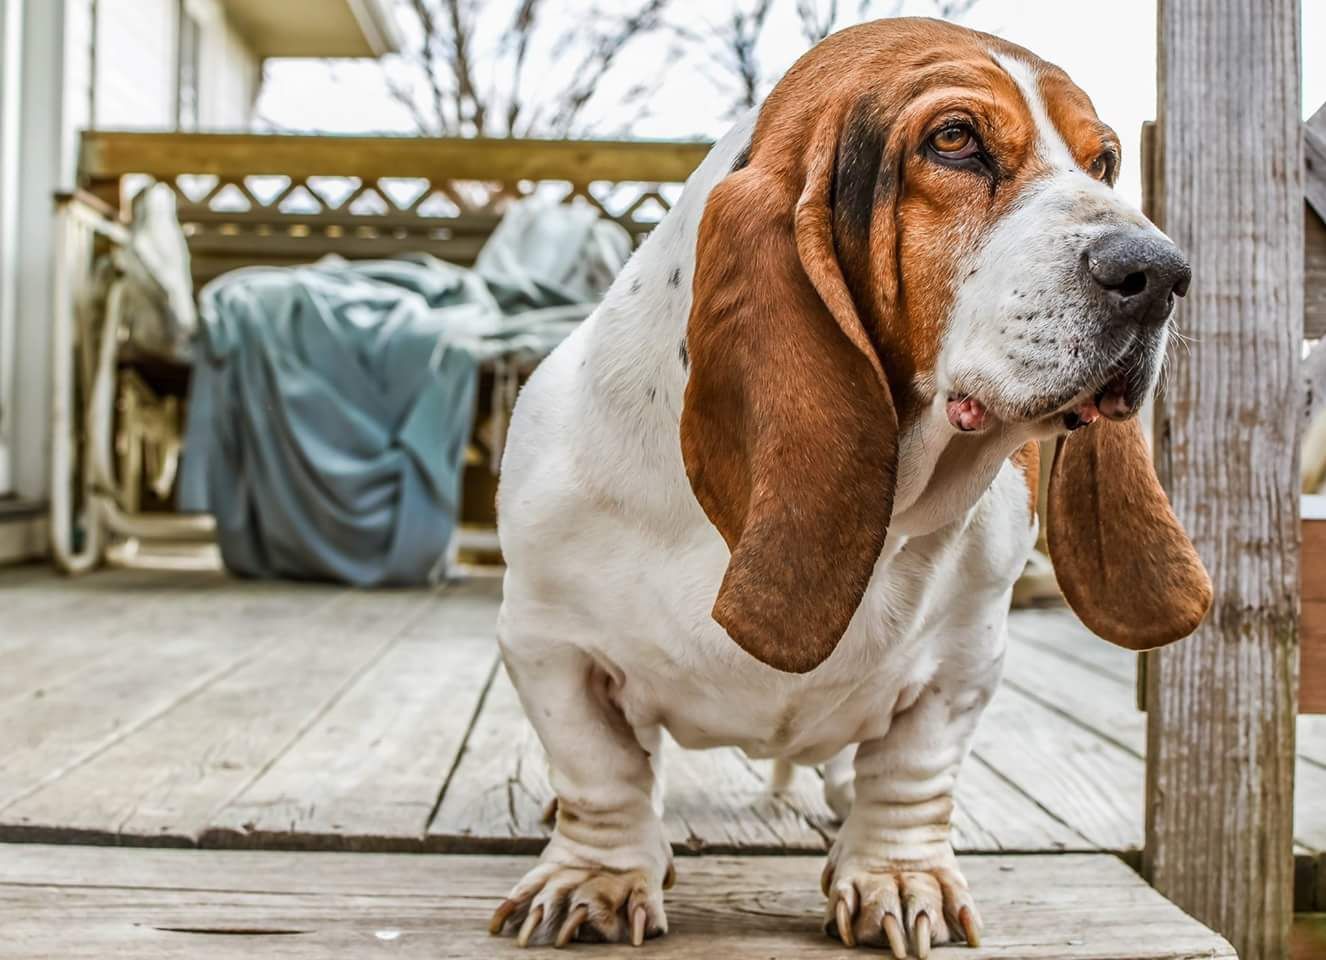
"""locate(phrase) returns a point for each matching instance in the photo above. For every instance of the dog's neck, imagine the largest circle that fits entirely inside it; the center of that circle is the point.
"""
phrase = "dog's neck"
(943, 473)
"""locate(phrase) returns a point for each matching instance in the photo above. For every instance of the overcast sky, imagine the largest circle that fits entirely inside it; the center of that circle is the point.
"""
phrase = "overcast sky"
(1108, 47)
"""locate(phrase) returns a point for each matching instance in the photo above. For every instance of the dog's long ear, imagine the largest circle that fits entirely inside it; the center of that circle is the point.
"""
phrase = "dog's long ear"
(788, 429)
(1123, 562)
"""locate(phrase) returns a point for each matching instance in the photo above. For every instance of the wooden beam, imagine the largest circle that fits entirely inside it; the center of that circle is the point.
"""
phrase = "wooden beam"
(109, 155)
(1220, 745)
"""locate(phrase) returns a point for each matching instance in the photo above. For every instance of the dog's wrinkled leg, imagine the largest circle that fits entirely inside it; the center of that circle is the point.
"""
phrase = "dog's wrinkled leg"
(602, 874)
(892, 879)
(839, 787)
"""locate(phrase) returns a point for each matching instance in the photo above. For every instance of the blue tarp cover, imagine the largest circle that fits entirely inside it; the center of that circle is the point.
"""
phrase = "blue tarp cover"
(331, 405)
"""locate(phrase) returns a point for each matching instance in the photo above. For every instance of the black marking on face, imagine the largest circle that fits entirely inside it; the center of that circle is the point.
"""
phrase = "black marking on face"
(674, 278)
(860, 156)
(684, 356)
(743, 158)
(862, 181)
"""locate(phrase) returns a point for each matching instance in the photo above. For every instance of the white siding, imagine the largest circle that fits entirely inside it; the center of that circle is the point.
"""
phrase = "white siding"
(135, 71)
(230, 75)
(136, 66)
(53, 106)
(10, 61)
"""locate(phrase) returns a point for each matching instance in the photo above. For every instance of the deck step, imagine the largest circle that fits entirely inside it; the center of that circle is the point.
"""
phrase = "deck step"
(75, 901)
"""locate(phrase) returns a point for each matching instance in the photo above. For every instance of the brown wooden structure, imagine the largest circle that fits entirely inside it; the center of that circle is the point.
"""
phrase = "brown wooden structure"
(247, 199)
(1222, 704)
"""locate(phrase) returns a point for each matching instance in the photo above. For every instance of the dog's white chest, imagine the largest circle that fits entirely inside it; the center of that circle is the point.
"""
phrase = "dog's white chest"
(668, 664)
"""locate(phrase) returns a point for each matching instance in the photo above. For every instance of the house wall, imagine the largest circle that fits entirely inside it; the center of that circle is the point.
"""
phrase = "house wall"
(136, 66)
(10, 45)
(53, 78)
(231, 73)
(112, 63)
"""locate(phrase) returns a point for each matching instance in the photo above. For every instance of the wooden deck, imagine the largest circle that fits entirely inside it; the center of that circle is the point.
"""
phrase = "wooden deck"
(150, 709)
(203, 905)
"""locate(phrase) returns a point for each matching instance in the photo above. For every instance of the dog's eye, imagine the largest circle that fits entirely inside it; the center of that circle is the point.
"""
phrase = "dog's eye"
(1102, 168)
(954, 142)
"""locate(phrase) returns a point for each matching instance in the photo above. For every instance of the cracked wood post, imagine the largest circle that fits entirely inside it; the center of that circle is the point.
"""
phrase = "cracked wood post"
(1221, 704)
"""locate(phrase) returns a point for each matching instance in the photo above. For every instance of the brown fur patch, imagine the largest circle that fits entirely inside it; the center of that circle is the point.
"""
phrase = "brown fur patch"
(1071, 112)
(1027, 458)
(1121, 558)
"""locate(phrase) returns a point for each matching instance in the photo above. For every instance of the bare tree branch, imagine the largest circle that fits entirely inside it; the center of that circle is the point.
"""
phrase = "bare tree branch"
(954, 9)
(437, 80)
(431, 65)
(460, 64)
(737, 52)
(518, 36)
(599, 60)
(817, 24)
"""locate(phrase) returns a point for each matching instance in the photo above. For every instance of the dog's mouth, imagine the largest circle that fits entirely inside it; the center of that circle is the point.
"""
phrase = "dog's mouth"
(1117, 395)
(1112, 401)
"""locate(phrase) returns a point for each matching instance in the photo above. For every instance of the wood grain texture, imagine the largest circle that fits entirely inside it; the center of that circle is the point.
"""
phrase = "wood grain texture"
(1221, 704)
(76, 903)
(112, 154)
(165, 783)
(368, 773)
(70, 714)
(1074, 775)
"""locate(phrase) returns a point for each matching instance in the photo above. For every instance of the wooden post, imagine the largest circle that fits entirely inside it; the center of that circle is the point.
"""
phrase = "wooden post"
(1220, 745)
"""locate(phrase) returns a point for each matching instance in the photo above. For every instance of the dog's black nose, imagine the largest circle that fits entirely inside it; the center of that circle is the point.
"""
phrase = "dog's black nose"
(1140, 273)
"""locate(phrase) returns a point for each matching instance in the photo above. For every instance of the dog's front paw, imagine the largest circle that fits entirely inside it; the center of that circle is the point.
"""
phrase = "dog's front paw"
(558, 903)
(894, 904)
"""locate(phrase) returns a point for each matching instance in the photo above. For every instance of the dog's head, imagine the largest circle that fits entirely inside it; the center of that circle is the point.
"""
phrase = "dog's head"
(925, 215)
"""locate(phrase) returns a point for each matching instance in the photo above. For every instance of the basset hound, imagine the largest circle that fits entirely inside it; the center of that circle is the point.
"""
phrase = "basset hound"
(776, 491)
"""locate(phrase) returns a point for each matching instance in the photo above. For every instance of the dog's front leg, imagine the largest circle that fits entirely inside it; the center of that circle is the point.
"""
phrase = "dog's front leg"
(892, 877)
(602, 874)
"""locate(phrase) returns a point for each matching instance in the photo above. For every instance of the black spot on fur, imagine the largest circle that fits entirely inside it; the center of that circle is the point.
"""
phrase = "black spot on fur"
(743, 159)
(862, 181)
(684, 356)
(653, 392)
(635, 285)
(860, 156)
(674, 278)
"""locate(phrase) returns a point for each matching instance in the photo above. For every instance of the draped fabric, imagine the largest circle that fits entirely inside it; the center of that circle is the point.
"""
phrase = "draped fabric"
(331, 405)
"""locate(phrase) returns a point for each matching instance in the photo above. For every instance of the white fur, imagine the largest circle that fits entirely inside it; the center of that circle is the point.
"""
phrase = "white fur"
(1024, 335)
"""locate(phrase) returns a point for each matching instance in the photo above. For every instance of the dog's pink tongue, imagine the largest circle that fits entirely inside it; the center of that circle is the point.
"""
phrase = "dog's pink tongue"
(967, 414)
(1087, 412)
(1113, 400)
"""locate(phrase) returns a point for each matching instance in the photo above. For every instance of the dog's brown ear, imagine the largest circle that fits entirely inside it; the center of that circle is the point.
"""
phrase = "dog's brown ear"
(1123, 562)
(788, 429)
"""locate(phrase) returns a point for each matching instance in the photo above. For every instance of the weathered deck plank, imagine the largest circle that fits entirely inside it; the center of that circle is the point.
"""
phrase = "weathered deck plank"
(1100, 701)
(370, 771)
(164, 783)
(166, 707)
(80, 902)
(57, 727)
(1079, 778)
